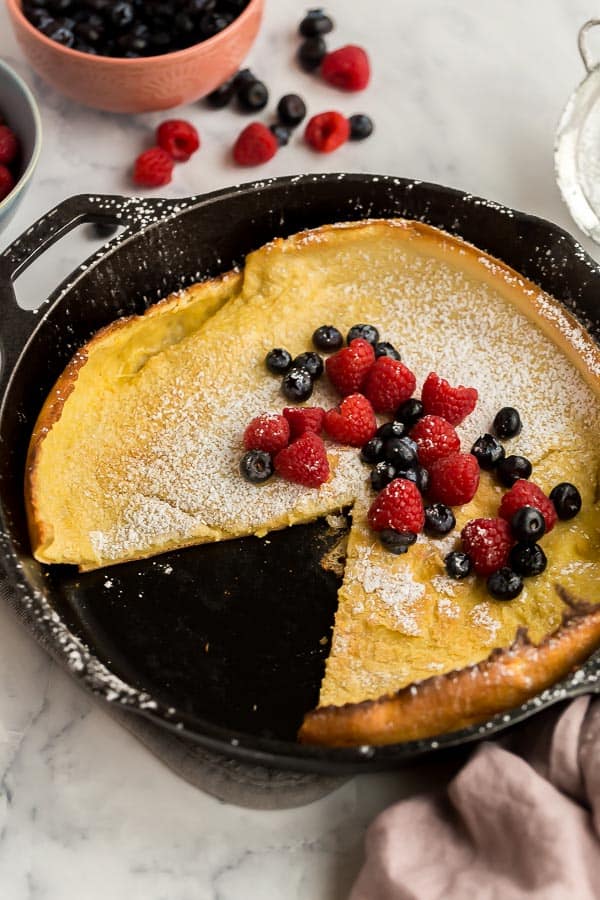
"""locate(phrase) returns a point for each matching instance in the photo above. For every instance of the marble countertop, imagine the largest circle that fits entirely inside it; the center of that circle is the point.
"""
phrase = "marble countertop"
(467, 95)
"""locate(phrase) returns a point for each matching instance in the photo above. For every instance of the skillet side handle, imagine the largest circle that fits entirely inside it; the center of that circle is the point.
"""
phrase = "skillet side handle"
(16, 324)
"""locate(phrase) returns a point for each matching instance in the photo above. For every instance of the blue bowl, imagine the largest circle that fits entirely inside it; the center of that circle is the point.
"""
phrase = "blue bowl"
(19, 110)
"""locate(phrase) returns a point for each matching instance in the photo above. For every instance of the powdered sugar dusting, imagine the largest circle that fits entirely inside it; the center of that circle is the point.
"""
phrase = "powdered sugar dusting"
(482, 617)
(395, 588)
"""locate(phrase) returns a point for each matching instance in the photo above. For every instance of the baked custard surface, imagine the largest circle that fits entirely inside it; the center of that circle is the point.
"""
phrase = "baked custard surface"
(136, 450)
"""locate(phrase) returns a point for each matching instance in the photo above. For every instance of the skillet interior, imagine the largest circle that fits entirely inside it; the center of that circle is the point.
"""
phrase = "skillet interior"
(233, 661)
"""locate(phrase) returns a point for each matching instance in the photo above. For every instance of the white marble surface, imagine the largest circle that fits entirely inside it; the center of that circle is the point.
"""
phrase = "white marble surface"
(464, 94)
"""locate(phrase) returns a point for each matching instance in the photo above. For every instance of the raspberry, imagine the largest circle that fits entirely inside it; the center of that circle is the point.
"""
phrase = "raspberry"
(9, 145)
(388, 384)
(487, 543)
(398, 506)
(526, 493)
(255, 145)
(7, 182)
(454, 479)
(304, 418)
(153, 168)
(327, 131)
(347, 369)
(304, 461)
(268, 432)
(178, 138)
(452, 404)
(435, 438)
(347, 68)
(354, 423)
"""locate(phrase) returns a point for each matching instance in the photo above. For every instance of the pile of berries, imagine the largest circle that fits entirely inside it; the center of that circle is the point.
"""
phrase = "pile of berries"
(131, 28)
(347, 68)
(176, 141)
(416, 454)
(9, 159)
(505, 549)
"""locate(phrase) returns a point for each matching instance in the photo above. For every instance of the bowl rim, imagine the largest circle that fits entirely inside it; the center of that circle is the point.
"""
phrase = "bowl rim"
(37, 146)
(15, 9)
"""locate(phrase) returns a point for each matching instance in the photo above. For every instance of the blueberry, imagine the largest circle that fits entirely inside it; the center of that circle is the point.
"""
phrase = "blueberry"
(160, 40)
(57, 32)
(89, 33)
(391, 430)
(372, 451)
(422, 481)
(136, 40)
(297, 384)
(400, 452)
(487, 451)
(314, 23)
(244, 76)
(253, 95)
(282, 134)
(310, 361)
(327, 338)
(366, 332)
(256, 466)
(213, 22)
(439, 519)
(505, 584)
(397, 542)
(311, 53)
(410, 412)
(222, 95)
(458, 565)
(122, 14)
(60, 7)
(507, 422)
(417, 474)
(184, 23)
(361, 126)
(384, 348)
(512, 468)
(85, 48)
(528, 525)
(566, 499)
(528, 559)
(39, 18)
(291, 109)
(381, 475)
(103, 229)
(278, 361)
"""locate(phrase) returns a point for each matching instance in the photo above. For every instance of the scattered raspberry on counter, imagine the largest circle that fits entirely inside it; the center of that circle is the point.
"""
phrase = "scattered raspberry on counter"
(327, 131)
(178, 138)
(255, 145)
(347, 68)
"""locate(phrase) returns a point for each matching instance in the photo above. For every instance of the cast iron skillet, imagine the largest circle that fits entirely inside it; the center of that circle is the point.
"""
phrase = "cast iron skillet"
(222, 643)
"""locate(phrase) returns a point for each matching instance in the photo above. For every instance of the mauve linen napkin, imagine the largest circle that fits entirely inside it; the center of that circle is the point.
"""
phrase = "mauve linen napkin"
(520, 820)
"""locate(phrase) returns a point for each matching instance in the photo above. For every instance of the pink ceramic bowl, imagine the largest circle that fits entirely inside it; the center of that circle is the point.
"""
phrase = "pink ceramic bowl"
(139, 85)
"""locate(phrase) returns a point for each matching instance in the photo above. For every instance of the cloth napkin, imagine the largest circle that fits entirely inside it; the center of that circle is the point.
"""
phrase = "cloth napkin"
(520, 820)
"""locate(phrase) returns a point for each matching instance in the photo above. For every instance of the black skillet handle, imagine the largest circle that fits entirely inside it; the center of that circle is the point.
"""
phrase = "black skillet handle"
(20, 323)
